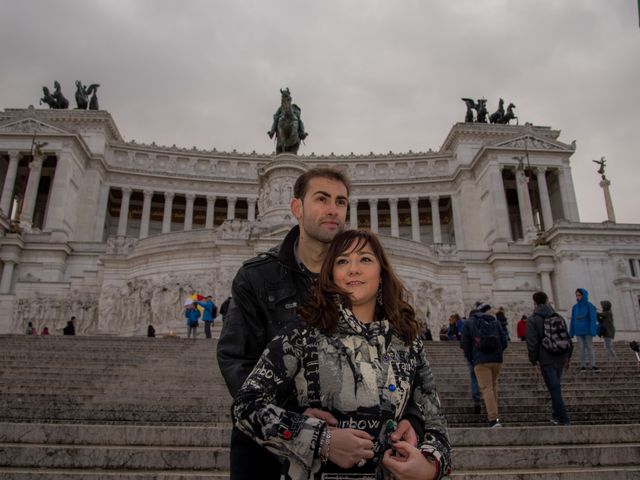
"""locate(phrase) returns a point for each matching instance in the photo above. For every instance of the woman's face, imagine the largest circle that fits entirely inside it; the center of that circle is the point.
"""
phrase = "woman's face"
(358, 272)
(578, 295)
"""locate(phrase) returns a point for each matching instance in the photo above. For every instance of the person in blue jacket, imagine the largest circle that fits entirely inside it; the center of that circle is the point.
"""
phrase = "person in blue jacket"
(192, 314)
(584, 326)
(208, 314)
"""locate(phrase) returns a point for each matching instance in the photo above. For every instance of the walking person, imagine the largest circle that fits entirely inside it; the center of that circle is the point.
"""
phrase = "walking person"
(483, 341)
(355, 352)
(504, 323)
(548, 355)
(606, 328)
(192, 314)
(521, 328)
(584, 326)
(209, 311)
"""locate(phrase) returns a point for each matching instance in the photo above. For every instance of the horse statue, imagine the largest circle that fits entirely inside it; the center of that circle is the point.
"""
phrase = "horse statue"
(82, 96)
(63, 103)
(48, 98)
(287, 125)
(509, 115)
(498, 115)
(56, 99)
(481, 108)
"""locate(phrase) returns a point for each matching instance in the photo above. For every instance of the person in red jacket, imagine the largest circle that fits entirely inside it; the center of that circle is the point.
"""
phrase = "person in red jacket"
(521, 329)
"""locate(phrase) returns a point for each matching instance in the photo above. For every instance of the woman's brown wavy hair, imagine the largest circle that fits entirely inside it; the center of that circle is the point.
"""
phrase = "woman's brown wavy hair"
(321, 311)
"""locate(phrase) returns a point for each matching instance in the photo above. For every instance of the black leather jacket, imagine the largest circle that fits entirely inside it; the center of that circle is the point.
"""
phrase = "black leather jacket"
(266, 293)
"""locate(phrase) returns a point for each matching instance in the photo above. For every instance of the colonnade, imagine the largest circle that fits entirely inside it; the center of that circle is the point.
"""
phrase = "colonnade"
(393, 207)
(169, 196)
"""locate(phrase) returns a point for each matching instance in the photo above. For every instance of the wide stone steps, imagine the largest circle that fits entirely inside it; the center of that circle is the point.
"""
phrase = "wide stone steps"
(138, 408)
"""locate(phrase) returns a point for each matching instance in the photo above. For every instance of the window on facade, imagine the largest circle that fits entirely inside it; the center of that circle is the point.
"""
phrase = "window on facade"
(632, 267)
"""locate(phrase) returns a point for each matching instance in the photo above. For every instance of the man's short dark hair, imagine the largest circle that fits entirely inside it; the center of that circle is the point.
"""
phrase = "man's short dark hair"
(302, 183)
(540, 298)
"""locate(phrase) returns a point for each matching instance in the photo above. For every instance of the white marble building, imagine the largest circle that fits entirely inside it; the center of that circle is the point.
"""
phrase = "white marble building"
(118, 234)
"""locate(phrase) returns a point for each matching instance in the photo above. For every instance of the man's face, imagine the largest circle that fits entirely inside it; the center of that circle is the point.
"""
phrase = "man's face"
(322, 211)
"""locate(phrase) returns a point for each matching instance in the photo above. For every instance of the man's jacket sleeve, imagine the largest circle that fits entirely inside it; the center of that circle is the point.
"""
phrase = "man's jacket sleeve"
(242, 338)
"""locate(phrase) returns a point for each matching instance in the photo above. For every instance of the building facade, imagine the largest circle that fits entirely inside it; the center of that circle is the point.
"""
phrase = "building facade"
(119, 234)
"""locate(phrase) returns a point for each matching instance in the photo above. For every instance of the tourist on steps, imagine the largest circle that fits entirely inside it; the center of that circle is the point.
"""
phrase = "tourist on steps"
(584, 326)
(550, 365)
(606, 328)
(483, 341)
(192, 314)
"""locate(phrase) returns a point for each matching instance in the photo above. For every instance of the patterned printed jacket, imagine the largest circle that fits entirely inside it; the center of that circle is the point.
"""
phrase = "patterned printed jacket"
(363, 374)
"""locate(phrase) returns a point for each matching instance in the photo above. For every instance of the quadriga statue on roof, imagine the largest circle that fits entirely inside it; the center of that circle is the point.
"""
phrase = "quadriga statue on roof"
(287, 125)
(82, 96)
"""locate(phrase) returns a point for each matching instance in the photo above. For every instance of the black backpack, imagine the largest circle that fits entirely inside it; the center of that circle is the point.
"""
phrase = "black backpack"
(488, 338)
(556, 336)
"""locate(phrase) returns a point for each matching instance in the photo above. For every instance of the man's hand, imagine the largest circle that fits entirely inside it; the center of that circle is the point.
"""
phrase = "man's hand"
(349, 446)
(405, 432)
(408, 463)
(321, 415)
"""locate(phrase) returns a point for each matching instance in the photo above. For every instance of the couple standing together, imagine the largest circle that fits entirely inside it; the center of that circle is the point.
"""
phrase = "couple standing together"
(321, 351)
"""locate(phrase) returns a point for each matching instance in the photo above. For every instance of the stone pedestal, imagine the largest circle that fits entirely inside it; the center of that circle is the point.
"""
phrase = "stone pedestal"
(276, 180)
(611, 215)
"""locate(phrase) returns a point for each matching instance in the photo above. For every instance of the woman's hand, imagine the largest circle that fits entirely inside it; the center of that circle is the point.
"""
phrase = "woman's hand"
(408, 463)
(405, 432)
(349, 446)
(321, 415)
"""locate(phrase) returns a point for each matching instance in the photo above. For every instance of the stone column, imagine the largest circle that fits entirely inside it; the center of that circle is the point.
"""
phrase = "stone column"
(231, 208)
(415, 219)
(211, 203)
(545, 283)
(457, 221)
(524, 203)
(393, 205)
(353, 213)
(501, 217)
(545, 203)
(568, 195)
(146, 214)
(168, 211)
(435, 218)
(188, 212)
(35, 169)
(124, 212)
(61, 196)
(7, 276)
(9, 183)
(604, 183)
(251, 213)
(103, 201)
(373, 212)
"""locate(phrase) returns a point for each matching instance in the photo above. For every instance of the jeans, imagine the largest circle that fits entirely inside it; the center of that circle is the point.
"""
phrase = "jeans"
(608, 342)
(552, 375)
(487, 375)
(207, 329)
(475, 389)
(191, 330)
(585, 342)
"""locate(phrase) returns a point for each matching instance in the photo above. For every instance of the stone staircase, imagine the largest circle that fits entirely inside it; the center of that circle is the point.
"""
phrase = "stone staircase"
(137, 408)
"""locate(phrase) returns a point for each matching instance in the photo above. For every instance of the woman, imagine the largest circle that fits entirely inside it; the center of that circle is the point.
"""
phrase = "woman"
(504, 323)
(607, 330)
(584, 326)
(355, 353)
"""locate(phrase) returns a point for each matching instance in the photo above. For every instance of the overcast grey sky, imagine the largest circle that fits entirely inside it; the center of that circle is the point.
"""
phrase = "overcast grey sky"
(373, 75)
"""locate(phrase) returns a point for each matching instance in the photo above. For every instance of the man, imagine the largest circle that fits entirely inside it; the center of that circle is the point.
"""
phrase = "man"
(266, 292)
(549, 364)
(208, 314)
(483, 341)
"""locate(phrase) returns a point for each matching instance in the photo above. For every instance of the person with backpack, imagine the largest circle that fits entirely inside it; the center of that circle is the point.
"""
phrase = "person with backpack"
(483, 341)
(209, 312)
(549, 348)
(584, 326)
(192, 314)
